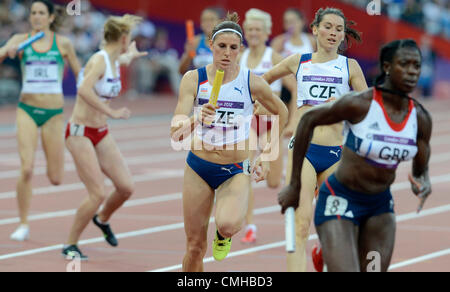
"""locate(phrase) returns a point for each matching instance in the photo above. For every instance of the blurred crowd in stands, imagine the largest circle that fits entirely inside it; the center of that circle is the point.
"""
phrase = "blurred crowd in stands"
(162, 62)
(83, 30)
(431, 15)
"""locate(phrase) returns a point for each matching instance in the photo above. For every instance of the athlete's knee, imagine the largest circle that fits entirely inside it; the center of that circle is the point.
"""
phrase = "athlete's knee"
(196, 248)
(27, 172)
(273, 183)
(55, 179)
(126, 190)
(274, 179)
(97, 195)
(229, 228)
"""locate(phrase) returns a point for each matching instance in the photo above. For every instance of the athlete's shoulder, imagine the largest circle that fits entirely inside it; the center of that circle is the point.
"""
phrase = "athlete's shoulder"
(63, 40)
(97, 62)
(353, 66)
(191, 76)
(64, 44)
(423, 115)
(97, 58)
(304, 57)
(255, 81)
(356, 103)
(189, 83)
(352, 62)
(359, 96)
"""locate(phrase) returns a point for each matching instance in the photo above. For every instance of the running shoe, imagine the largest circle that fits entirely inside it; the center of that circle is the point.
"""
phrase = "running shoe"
(72, 252)
(221, 248)
(250, 236)
(22, 233)
(107, 232)
(317, 258)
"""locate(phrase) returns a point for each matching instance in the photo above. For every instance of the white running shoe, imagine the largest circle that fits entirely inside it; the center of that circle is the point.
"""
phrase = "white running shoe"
(22, 233)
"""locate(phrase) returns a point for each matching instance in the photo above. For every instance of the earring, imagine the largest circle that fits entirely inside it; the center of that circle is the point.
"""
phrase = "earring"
(387, 73)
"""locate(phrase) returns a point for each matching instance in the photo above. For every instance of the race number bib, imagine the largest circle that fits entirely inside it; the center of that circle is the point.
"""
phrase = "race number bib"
(229, 114)
(336, 206)
(320, 88)
(76, 130)
(247, 167)
(41, 71)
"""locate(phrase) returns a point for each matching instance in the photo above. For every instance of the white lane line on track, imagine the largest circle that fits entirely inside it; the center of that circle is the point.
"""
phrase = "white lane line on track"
(162, 198)
(135, 233)
(420, 259)
(147, 159)
(119, 136)
(180, 225)
(143, 159)
(165, 157)
(70, 166)
(129, 203)
(400, 218)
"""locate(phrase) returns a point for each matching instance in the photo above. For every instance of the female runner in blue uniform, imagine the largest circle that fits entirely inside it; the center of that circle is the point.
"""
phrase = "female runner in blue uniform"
(217, 166)
(321, 77)
(384, 126)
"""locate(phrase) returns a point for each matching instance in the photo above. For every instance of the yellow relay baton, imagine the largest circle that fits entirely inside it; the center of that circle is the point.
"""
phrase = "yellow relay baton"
(216, 89)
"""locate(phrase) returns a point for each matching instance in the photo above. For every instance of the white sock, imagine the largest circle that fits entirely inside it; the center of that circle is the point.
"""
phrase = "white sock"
(100, 222)
(251, 227)
(21, 233)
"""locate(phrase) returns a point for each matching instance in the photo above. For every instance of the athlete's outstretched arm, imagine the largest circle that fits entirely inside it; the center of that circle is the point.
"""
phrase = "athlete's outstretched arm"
(290, 83)
(131, 54)
(284, 68)
(349, 107)
(10, 48)
(420, 181)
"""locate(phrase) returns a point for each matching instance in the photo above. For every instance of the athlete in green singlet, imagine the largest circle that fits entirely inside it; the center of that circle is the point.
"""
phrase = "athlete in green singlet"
(41, 101)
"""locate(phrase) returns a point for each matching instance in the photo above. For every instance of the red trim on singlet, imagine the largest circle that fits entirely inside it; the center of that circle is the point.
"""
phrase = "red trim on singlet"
(203, 82)
(238, 166)
(394, 126)
(332, 193)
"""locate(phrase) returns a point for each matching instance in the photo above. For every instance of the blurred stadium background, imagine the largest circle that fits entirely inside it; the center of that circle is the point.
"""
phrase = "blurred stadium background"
(163, 36)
